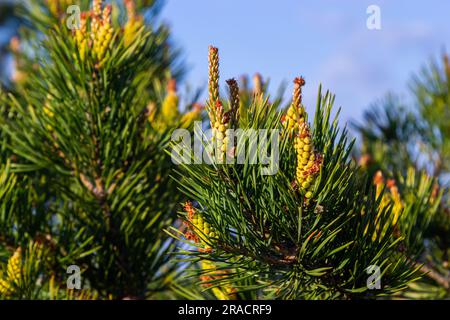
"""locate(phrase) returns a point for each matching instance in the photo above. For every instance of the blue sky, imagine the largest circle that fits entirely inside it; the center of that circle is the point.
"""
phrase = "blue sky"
(325, 41)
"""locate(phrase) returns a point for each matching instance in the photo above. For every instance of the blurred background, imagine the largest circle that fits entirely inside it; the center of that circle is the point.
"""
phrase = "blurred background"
(327, 42)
